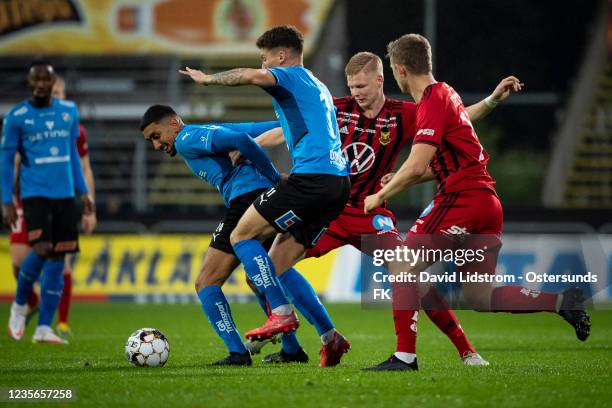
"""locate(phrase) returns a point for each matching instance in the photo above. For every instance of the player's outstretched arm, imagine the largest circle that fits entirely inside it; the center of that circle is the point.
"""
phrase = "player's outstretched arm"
(271, 138)
(233, 77)
(88, 221)
(501, 92)
(414, 168)
(427, 176)
(10, 140)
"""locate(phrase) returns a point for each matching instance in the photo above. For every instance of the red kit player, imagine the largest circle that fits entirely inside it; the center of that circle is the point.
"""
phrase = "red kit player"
(447, 149)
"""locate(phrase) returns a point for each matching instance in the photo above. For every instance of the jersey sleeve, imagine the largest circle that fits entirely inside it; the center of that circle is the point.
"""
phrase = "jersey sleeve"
(228, 140)
(283, 77)
(82, 145)
(253, 129)
(430, 121)
(10, 141)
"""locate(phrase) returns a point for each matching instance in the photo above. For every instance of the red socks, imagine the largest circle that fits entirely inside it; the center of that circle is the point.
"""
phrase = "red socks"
(517, 299)
(64, 306)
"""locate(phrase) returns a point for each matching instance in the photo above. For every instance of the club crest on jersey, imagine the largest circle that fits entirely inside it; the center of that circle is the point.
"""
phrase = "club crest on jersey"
(385, 137)
(66, 117)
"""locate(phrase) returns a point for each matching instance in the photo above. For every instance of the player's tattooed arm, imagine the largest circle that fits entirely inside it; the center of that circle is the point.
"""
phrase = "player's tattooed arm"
(233, 77)
(501, 92)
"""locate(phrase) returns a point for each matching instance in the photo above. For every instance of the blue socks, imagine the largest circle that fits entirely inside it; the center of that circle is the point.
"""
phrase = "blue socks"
(51, 286)
(217, 310)
(259, 268)
(29, 273)
(305, 299)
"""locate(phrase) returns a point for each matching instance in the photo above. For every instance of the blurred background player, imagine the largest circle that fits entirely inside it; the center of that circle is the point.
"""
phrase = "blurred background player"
(19, 245)
(205, 148)
(44, 130)
(374, 130)
(301, 206)
(447, 148)
(88, 220)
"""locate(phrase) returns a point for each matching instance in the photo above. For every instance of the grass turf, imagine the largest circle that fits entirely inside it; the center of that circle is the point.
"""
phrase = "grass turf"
(535, 361)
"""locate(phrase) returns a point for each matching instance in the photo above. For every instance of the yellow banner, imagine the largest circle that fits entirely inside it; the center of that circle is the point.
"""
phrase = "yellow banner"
(150, 264)
(196, 27)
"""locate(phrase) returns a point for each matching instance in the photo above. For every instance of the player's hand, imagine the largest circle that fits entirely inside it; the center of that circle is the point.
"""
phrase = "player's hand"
(195, 74)
(506, 87)
(88, 223)
(386, 178)
(89, 206)
(236, 157)
(9, 214)
(372, 202)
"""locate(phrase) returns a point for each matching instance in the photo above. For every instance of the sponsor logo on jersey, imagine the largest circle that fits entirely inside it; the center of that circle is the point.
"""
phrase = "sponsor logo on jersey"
(426, 132)
(20, 15)
(29, 121)
(287, 220)
(360, 156)
(50, 124)
(383, 223)
(344, 130)
(385, 137)
(337, 159)
(54, 151)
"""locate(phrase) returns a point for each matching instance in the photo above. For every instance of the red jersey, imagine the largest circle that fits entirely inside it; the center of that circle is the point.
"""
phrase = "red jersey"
(460, 162)
(371, 146)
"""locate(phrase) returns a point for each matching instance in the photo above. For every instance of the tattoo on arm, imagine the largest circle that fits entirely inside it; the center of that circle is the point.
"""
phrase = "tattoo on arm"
(233, 77)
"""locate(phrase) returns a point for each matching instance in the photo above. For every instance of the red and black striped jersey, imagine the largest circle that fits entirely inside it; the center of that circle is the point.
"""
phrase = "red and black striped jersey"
(460, 162)
(371, 146)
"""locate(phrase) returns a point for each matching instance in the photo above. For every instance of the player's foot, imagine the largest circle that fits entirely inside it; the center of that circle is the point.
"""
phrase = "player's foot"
(32, 312)
(332, 352)
(394, 364)
(255, 346)
(474, 359)
(44, 334)
(235, 359)
(282, 357)
(17, 321)
(63, 329)
(572, 310)
(274, 325)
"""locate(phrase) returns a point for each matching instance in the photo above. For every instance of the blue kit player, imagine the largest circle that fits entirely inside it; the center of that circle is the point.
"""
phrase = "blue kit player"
(205, 150)
(301, 206)
(43, 130)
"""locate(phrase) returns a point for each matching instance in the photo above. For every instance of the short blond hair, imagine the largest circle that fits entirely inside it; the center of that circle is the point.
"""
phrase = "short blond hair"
(363, 61)
(413, 52)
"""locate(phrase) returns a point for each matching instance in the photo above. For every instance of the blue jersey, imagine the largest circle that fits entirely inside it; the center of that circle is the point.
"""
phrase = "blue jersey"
(46, 140)
(205, 148)
(307, 115)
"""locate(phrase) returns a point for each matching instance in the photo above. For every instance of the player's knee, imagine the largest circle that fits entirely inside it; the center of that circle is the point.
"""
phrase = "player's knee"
(238, 235)
(209, 277)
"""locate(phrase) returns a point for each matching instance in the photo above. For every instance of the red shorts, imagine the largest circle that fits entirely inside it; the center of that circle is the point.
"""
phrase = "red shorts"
(464, 212)
(19, 234)
(351, 226)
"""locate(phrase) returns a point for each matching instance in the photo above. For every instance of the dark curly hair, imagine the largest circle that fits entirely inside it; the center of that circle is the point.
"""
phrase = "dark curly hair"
(281, 36)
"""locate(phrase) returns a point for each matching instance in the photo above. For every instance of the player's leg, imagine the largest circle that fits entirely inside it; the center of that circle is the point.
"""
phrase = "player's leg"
(20, 247)
(65, 237)
(63, 328)
(246, 240)
(217, 267)
(289, 353)
(36, 212)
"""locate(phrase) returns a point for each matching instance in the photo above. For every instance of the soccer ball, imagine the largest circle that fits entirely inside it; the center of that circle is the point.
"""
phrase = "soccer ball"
(147, 348)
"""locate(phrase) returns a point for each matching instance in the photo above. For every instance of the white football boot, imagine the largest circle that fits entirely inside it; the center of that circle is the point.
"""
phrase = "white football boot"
(17, 321)
(474, 359)
(44, 334)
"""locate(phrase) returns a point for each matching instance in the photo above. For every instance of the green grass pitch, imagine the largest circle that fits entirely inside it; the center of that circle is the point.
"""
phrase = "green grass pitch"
(535, 361)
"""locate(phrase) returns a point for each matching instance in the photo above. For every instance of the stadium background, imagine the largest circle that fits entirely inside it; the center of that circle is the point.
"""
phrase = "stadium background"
(551, 146)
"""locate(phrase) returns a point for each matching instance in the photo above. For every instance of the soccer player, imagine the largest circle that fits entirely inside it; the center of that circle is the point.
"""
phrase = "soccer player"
(205, 148)
(88, 220)
(301, 206)
(44, 129)
(374, 129)
(447, 148)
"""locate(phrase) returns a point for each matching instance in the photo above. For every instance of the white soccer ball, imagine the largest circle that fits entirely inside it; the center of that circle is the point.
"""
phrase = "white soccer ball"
(147, 348)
